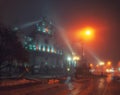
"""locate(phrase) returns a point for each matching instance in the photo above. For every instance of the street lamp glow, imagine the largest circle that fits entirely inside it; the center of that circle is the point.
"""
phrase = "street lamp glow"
(76, 58)
(85, 34)
(69, 58)
(101, 63)
(91, 65)
(109, 63)
(68, 69)
(88, 32)
(119, 69)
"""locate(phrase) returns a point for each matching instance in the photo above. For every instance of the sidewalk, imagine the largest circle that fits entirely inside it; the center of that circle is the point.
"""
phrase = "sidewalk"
(21, 83)
(14, 82)
(33, 81)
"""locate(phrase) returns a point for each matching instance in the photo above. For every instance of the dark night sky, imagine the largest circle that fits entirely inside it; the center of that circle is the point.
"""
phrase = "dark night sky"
(102, 15)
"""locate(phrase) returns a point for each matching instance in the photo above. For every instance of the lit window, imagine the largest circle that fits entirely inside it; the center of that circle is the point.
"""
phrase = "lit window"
(43, 49)
(48, 49)
(52, 49)
(30, 47)
(44, 30)
(40, 47)
(34, 48)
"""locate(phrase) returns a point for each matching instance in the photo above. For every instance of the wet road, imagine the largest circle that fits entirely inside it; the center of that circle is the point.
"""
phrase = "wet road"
(90, 86)
(98, 86)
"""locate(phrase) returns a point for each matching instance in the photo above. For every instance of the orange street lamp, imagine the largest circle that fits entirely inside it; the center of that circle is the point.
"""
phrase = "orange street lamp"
(76, 58)
(109, 63)
(91, 65)
(83, 35)
(87, 34)
(101, 63)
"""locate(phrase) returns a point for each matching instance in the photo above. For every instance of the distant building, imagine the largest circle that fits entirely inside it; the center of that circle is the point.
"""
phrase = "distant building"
(47, 54)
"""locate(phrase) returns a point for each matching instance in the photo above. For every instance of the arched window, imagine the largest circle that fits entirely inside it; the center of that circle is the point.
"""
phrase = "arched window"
(39, 28)
(52, 49)
(48, 49)
(34, 47)
(30, 47)
(43, 49)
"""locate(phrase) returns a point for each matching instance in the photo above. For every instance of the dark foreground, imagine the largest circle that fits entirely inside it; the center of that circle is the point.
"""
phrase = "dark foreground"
(90, 86)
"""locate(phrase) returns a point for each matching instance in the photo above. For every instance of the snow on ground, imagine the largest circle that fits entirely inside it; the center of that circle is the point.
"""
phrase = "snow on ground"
(15, 82)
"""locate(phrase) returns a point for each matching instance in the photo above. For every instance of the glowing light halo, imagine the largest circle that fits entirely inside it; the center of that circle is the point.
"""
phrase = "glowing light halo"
(85, 34)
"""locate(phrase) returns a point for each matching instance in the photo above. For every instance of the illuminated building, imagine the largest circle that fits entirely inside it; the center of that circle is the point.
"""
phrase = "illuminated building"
(46, 54)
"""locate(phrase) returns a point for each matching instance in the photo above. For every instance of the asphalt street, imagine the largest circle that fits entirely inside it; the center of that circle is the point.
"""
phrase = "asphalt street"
(90, 86)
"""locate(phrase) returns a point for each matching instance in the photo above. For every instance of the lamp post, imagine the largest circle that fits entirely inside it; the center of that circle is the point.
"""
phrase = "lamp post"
(84, 35)
(82, 48)
(102, 64)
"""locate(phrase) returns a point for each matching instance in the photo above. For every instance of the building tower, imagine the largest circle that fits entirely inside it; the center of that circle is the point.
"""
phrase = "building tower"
(46, 55)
